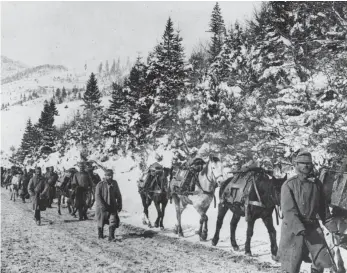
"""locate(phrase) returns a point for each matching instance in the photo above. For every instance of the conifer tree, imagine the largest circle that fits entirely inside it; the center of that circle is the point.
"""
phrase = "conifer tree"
(168, 76)
(57, 93)
(92, 96)
(107, 69)
(63, 93)
(217, 29)
(115, 121)
(113, 68)
(100, 68)
(53, 109)
(27, 144)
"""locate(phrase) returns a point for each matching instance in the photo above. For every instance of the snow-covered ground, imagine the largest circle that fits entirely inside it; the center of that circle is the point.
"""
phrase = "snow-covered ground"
(127, 173)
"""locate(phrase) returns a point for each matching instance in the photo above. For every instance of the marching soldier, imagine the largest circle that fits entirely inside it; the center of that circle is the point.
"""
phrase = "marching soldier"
(82, 183)
(108, 203)
(38, 191)
(302, 199)
(52, 178)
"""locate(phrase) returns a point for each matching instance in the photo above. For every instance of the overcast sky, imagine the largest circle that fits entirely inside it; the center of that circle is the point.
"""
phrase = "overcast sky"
(75, 33)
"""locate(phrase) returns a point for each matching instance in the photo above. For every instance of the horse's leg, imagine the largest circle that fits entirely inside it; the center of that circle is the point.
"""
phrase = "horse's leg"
(233, 225)
(59, 202)
(145, 218)
(272, 233)
(203, 225)
(163, 206)
(157, 206)
(222, 210)
(179, 211)
(250, 228)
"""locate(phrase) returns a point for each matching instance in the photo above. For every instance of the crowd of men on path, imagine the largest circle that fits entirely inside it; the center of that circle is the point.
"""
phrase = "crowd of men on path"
(302, 199)
(81, 188)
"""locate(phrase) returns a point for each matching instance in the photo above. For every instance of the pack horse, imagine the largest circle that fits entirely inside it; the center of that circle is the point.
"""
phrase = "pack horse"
(199, 194)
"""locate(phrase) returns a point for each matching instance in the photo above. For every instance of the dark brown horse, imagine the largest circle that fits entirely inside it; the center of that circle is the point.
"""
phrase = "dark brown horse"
(269, 191)
(154, 187)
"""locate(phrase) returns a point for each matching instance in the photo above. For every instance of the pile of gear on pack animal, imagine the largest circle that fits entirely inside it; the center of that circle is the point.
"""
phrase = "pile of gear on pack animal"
(146, 182)
(185, 178)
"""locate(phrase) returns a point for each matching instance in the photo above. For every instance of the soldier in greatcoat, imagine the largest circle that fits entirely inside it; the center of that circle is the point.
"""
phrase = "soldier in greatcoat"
(52, 178)
(82, 183)
(108, 200)
(38, 191)
(302, 239)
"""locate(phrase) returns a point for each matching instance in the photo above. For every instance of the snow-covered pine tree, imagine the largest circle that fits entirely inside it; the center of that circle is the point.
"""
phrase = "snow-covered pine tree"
(139, 103)
(53, 107)
(217, 28)
(46, 128)
(107, 69)
(115, 121)
(169, 76)
(100, 68)
(113, 68)
(63, 93)
(92, 95)
(27, 144)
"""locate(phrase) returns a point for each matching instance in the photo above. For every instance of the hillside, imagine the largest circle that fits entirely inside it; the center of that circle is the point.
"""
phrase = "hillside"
(34, 72)
(10, 67)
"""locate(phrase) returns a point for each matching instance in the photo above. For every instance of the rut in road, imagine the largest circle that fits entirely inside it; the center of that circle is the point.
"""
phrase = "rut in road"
(64, 244)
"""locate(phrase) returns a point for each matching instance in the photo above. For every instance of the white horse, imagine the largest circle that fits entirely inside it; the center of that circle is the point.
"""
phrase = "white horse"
(209, 178)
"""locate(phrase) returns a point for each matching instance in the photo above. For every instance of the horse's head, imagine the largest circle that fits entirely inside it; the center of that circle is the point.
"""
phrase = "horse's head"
(214, 170)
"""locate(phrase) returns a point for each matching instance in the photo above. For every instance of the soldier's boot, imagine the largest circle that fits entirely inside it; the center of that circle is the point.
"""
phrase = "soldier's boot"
(100, 233)
(111, 230)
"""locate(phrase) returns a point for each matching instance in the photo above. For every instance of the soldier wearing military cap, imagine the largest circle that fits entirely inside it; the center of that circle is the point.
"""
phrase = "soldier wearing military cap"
(38, 192)
(82, 184)
(302, 239)
(108, 201)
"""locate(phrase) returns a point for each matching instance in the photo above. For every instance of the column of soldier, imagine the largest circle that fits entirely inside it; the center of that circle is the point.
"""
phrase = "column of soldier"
(80, 189)
(302, 238)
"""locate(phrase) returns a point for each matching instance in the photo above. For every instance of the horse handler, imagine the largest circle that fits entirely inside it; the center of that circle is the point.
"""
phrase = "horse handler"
(302, 238)
(108, 201)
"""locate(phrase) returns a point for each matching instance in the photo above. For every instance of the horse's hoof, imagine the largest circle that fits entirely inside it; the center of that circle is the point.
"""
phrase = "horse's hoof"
(59, 212)
(156, 225)
(162, 228)
(150, 225)
(214, 242)
(275, 258)
(203, 237)
(180, 234)
(144, 222)
(248, 253)
(236, 248)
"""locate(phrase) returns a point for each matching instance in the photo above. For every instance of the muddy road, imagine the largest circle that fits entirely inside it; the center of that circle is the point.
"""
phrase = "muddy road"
(63, 244)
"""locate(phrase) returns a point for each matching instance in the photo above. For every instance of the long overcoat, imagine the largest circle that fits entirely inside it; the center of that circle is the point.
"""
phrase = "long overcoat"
(38, 189)
(52, 179)
(108, 201)
(301, 200)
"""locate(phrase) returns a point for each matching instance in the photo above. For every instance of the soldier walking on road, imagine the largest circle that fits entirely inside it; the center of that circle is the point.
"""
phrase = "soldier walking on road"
(38, 190)
(108, 203)
(82, 183)
(302, 238)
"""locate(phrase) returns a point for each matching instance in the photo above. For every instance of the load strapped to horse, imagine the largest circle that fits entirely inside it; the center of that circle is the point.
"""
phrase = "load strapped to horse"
(185, 178)
(152, 178)
(238, 190)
